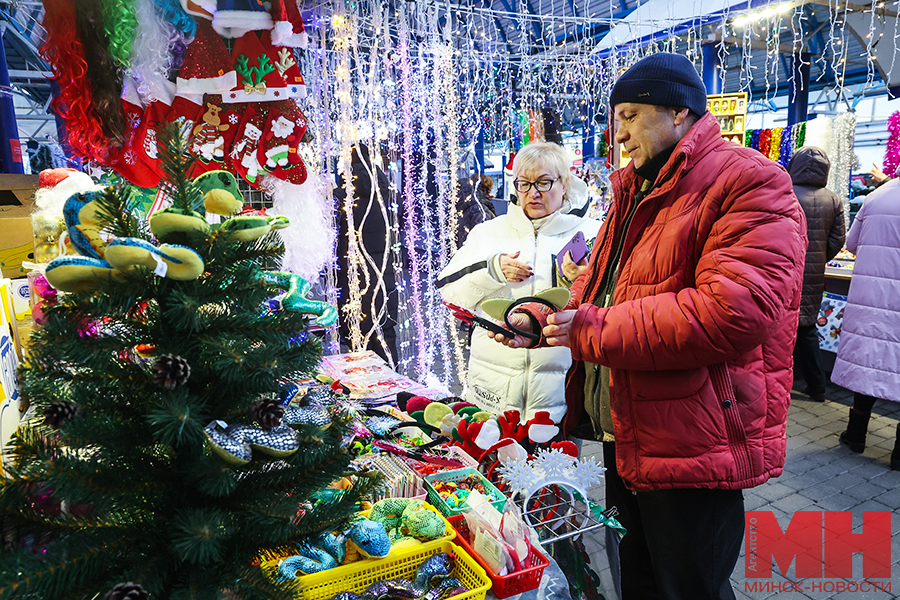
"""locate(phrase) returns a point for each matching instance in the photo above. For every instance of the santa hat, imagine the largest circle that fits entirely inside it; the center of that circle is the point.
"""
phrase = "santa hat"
(258, 79)
(234, 18)
(508, 170)
(49, 178)
(56, 185)
(206, 68)
(288, 30)
(286, 65)
(199, 8)
(488, 435)
(542, 429)
(508, 449)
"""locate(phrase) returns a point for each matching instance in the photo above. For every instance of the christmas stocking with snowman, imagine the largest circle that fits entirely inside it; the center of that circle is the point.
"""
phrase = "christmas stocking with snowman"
(242, 159)
(277, 152)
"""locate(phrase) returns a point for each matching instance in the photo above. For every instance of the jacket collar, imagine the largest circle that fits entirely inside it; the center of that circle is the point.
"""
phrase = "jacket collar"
(694, 145)
(558, 222)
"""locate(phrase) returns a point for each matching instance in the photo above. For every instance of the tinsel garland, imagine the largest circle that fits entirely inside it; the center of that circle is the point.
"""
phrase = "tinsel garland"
(775, 143)
(842, 157)
(765, 139)
(787, 145)
(892, 151)
(801, 135)
(779, 143)
(753, 138)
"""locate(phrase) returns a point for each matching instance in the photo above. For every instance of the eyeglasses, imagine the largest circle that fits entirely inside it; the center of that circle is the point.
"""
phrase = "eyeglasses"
(542, 185)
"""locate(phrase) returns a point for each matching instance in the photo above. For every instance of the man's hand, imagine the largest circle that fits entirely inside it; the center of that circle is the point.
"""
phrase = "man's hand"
(571, 269)
(559, 324)
(520, 322)
(513, 270)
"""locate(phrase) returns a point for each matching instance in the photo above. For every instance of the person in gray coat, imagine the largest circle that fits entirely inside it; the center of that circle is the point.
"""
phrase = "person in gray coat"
(825, 229)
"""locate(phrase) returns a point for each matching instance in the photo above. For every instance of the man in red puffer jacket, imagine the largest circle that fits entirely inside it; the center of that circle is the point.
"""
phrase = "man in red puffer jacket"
(682, 330)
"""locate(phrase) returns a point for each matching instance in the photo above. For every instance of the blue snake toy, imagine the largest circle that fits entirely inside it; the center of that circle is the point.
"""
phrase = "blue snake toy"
(434, 571)
(328, 550)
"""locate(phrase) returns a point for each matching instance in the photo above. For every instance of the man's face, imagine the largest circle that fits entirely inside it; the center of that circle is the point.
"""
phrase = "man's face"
(644, 129)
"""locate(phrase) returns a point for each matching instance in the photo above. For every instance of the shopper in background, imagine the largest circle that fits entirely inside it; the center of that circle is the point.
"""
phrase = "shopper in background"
(868, 357)
(878, 176)
(512, 256)
(475, 205)
(825, 230)
(681, 334)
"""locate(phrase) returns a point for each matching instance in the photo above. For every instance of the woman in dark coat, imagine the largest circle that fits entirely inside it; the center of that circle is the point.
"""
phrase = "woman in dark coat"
(825, 229)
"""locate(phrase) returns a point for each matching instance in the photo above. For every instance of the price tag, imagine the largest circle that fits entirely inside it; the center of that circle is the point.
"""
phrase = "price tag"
(491, 551)
(477, 502)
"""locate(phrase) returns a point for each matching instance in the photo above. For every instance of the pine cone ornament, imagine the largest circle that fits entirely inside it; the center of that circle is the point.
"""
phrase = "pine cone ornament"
(267, 412)
(170, 371)
(127, 591)
(59, 412)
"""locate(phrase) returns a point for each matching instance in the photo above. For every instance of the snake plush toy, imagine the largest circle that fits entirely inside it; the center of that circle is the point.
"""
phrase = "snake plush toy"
(405, 518)
(295, 298)
(328, 550)
(434, 571)
(99, 259)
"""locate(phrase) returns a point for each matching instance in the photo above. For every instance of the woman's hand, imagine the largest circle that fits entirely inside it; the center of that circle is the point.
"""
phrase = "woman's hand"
(571, 269)
(520, 322)
(513, 270)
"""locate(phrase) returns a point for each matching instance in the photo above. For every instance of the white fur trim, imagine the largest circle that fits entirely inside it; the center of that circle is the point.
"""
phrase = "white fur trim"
(217, 85)
(283, 35)
(281, 31)
(542, 434)
(297, 91)
(235, 23)
(129, 91)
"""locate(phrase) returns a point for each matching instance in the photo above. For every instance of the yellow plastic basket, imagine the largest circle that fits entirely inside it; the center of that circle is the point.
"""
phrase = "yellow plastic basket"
(353, 555)
(357, 577)
(353, 561)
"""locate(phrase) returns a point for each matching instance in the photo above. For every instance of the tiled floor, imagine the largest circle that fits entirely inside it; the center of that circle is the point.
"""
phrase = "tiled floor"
(820, 474)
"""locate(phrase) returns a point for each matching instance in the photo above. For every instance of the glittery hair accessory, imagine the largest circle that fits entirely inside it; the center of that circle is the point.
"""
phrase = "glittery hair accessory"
(550, 467)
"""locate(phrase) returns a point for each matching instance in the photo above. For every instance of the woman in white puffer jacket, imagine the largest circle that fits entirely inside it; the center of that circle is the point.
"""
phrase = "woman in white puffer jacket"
(513, 256)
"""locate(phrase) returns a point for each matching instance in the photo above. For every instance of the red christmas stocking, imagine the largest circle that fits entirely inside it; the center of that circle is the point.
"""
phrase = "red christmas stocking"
(242, 157)
(213, 133)
(155, 114)
(277, 152)
(125, 160)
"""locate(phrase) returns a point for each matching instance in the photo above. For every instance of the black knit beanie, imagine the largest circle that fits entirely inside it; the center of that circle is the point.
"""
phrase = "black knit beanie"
(661, 79)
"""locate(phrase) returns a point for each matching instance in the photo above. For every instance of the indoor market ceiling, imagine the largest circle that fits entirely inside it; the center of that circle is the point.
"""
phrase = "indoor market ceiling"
(851, 47)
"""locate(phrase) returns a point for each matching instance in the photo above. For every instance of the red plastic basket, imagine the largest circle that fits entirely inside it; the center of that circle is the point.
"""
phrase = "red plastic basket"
(504, 586)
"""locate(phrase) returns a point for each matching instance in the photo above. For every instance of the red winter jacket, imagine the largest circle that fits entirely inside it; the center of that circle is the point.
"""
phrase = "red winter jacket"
(700, 334)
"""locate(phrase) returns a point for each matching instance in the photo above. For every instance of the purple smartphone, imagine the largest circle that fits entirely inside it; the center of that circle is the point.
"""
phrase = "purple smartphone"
(577, 246)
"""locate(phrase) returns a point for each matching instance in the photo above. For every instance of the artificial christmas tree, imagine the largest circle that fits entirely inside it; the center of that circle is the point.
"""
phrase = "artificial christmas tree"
(117, 484)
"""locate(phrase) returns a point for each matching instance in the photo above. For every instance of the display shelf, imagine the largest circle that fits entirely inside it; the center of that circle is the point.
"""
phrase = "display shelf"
(730, 111)
(557, 517)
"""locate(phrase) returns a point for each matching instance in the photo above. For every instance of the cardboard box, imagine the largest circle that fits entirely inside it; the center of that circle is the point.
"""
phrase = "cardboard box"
(16, 238)
(19, 290)
(9, 386)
